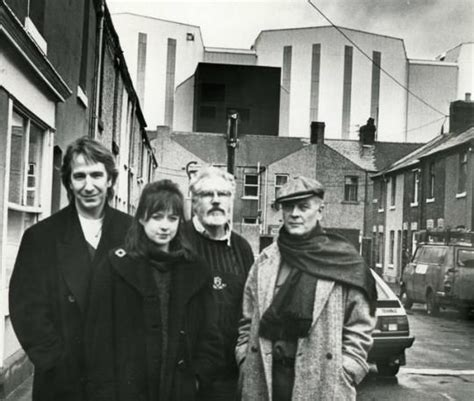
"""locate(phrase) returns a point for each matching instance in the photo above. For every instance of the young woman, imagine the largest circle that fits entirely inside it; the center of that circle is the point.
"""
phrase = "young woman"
(150, 332)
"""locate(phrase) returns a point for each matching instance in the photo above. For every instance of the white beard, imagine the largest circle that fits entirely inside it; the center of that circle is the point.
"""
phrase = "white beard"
(215, 220)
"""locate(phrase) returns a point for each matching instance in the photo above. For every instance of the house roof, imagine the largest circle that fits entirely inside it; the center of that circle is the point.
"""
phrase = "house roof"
(251, 149)
(371, 157)
(438, 144)
(452, 141)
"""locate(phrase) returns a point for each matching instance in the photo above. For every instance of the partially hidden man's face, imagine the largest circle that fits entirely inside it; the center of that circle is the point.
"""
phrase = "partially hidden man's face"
(301, 216)
(212, 201)
(89, 184)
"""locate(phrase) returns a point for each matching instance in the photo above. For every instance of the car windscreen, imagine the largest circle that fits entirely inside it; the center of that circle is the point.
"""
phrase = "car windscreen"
(466, 257)
(433, 254)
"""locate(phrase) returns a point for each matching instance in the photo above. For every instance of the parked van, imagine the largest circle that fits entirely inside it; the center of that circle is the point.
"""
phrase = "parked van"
(441, 272)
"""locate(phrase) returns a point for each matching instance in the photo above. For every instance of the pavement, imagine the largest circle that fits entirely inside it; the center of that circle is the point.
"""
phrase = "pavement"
(23, 392)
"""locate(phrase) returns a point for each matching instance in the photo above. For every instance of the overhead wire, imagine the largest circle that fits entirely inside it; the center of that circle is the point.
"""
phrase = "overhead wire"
(377, 65)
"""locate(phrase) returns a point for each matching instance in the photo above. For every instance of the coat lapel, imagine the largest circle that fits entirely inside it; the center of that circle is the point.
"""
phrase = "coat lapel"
(323, 290)
(73, 258)
(267, 275)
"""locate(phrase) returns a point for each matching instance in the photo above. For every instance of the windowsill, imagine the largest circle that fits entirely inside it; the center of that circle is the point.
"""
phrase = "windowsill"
(249, 197)
(350, 202)
(414, 204)
(430, 200)
(378, 265)
(374, 200)
(390, 266)
(381, 210)
(81, 95)
(26, 209)
(461, 195)
(391, 208)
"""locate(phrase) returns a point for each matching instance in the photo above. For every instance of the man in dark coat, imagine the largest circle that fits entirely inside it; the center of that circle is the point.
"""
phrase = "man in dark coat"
(229, 257)
(50, 282)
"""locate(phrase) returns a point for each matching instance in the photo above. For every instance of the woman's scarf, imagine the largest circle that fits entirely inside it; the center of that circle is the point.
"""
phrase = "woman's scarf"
(319, 255)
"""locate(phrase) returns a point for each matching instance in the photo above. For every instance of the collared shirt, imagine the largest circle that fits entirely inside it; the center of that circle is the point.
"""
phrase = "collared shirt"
(202, 230)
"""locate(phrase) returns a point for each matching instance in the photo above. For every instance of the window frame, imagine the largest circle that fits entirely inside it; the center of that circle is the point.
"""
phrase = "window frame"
(349, 188)
(415, 193)
(278, 186)
(393, 191)
(246, 185)
(462, 172)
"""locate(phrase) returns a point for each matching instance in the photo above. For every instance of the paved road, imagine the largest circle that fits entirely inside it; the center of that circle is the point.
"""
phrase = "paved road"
(440, 365)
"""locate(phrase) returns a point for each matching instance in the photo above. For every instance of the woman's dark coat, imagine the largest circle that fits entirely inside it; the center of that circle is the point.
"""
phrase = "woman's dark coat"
(48, 298)
(123, 333)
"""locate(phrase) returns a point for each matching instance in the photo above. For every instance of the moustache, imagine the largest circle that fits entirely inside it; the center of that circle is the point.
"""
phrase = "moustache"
(216, 209)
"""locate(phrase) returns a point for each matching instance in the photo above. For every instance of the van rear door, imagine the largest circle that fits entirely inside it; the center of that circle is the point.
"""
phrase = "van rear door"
(463, 277)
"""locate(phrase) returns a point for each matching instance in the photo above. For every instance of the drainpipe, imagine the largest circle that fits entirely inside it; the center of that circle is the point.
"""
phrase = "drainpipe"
(98, 68)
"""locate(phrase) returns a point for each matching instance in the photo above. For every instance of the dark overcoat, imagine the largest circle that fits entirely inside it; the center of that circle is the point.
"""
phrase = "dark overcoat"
(123, 332)
(49, 296)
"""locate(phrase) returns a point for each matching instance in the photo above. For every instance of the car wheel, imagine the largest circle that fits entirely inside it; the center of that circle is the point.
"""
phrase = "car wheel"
(387, 369)
(406, 300)
(432, 307)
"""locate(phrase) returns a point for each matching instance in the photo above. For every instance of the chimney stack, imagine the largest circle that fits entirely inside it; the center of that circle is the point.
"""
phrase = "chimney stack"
(317, 132)
(367, 132)
(461, 114)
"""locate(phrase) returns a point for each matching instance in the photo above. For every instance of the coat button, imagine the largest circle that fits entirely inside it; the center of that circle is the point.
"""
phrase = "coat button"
(181, 364)
(182, 332)
(329, 355)
(71, 299)
(253, 348)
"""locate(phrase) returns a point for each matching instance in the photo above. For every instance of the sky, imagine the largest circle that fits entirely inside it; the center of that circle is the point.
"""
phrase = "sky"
(428, 27)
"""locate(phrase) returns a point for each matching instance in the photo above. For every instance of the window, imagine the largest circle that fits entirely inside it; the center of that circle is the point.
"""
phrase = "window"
(393, 190)
(431, 180)
(280, 180)
(27, 194)
(465, 258)
(382, 191)
(244, 114)
(251, 185)
(212, 92)
(208, 112)
(351, 184)
(380, 249)
(415, 187)
(25, 162)
(250, 220)
(392, 247)
(462, 172)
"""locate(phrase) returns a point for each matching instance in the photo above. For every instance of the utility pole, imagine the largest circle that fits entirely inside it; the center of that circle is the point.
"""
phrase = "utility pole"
(232, 135)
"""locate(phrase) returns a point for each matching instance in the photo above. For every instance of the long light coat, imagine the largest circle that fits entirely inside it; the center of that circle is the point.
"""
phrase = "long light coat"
(329, 362)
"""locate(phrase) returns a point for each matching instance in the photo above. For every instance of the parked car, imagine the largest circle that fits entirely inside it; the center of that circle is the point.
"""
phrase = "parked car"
(392, 334)
(441, 272)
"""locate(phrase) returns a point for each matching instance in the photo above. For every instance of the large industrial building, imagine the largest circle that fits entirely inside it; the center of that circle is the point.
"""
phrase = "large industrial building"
(323, 77)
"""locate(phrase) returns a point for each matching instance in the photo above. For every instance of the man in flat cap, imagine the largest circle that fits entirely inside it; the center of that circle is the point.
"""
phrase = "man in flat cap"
(308, 309)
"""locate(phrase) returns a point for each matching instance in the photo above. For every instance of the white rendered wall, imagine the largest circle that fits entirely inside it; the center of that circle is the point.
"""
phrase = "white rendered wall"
(269, 47)
(393, 222)
(188, 54)
(463, 55)
(435, 82)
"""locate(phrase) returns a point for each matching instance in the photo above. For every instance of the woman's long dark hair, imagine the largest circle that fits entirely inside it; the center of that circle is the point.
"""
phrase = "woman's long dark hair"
(158, 196)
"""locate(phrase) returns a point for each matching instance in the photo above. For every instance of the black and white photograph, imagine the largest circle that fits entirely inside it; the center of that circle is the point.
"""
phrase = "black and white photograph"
(237, 200)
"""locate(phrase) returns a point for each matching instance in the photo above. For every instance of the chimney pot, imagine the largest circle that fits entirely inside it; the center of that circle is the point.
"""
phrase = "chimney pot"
(468, 96)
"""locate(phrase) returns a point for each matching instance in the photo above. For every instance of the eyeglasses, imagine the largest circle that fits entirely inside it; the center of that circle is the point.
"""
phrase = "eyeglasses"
(212, 194)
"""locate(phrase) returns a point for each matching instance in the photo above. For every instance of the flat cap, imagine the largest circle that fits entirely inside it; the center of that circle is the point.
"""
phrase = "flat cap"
(299, 188)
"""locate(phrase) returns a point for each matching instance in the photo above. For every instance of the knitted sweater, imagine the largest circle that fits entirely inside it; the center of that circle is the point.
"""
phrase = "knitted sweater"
(229, 266)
